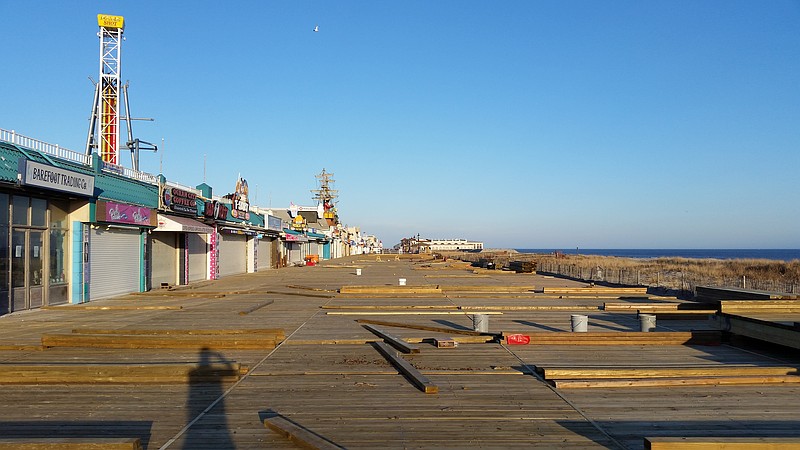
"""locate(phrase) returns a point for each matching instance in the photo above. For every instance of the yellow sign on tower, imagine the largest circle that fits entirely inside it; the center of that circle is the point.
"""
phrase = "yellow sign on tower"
(107, 21)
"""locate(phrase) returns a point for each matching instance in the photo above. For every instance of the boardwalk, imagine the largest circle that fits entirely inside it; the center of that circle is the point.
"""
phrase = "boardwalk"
(197, 368)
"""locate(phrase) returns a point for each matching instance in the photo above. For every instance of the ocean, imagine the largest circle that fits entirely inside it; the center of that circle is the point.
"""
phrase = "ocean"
(774, 254)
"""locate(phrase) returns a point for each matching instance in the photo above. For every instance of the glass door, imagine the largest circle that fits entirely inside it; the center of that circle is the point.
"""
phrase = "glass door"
(27, 278)
(19, 251)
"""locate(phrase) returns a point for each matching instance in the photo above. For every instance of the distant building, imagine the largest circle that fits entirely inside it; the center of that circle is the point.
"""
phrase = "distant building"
(454, 245)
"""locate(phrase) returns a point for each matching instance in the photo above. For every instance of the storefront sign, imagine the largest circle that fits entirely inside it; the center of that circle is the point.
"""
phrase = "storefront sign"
(49, 177)
(274, 223)
(240, 205)
(128, 214)
(180, 201)
(216, 210)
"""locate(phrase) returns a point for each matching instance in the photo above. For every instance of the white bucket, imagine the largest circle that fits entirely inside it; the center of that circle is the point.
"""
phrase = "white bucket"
(579, 322)
(480, 322)
(402, 281)
(647, 322)
(358, 271)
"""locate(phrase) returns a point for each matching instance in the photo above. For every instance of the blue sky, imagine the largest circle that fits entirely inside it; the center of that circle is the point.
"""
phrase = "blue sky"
(527, 124)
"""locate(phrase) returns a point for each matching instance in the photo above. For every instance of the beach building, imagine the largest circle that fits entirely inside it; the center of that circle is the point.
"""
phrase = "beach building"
(75, 228)
(454, 245)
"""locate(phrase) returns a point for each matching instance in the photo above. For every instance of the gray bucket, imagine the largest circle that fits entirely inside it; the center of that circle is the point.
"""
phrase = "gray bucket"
(580, 323)
(480, 322)
(647, 322)
(358, 271)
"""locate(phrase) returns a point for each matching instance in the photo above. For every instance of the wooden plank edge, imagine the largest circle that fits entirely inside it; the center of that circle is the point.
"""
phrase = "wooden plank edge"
(392, 340)
(670, 382)
(720, 443)
(70, 443)
(419, 380)
(298, 434)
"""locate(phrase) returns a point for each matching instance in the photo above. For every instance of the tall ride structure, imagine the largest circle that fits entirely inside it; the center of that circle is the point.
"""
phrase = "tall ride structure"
(104, 127)
(327, 197)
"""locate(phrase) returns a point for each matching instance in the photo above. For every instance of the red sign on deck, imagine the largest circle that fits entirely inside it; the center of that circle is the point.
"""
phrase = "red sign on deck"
(518, 339)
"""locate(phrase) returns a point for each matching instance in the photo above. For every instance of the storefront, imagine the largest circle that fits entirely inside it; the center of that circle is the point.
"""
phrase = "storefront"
(296, 247)
(179, 245)
(179, 251)
(34, 235)
(233, 256)
(117, 243)
(269, 244)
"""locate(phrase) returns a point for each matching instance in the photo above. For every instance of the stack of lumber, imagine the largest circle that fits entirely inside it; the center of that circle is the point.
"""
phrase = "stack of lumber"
(712, 375)
(522, 266)
(716, 293)
(251, 339)
(114, 373)
(664, 310)
(390, 290)
(702, 337)
(759, 306)
(598, 291)
(487, 288)
(70, 443)
(720, 443)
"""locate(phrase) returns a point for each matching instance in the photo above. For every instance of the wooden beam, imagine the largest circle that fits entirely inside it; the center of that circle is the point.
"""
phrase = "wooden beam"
(298, 434)
(276, 332)
(424, 327)
(595, 290)
(23, 374)
(211, 342)
(486, 288)
(408, 313)
(720, 443)
(710, 337)
(255, 307)
(552, 373)
(390, 290)
(418, 379)
(394, 341)
(667, 382)
(70, 443)
(776, 333)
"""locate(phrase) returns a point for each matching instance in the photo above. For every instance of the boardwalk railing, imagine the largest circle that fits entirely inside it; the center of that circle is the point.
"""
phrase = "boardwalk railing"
(70, 155)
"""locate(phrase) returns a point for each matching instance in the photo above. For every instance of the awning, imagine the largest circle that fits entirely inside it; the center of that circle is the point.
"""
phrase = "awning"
(182, 225)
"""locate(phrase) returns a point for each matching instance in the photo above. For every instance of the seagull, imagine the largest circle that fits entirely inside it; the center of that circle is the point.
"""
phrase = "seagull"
(316, 28)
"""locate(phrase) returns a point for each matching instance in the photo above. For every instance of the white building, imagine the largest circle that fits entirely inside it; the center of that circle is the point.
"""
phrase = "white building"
(454, 245)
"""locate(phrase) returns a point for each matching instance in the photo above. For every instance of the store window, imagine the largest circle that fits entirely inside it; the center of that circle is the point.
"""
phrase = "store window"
(59, 235)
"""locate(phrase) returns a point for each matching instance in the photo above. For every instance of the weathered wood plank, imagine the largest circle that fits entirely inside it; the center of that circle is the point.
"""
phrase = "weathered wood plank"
(297, 434)
(212, 342)
(418, 379)
(94, 443)
(24, 374)
(423, 327)
(710, 337)
(667, 382)
(552, 373)
(392, 340)
(720, 443)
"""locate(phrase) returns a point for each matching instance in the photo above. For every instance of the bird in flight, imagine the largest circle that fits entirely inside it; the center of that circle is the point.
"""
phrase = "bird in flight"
(316, 28)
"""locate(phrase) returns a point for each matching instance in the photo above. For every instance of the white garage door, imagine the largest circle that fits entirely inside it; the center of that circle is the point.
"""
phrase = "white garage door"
(232, 254)
(264, 254)
(198, 257)
(114, 264)
(164, 259)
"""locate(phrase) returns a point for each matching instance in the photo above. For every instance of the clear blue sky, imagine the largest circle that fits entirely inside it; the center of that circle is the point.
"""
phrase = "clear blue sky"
(527, 124)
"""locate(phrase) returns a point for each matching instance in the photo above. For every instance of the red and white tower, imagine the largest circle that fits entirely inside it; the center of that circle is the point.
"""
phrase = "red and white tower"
(104, 131)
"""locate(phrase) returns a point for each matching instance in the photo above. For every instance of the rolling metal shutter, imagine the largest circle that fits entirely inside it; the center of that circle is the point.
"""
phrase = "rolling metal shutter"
(198, 257)
(114, 264)
(164, 259)
(264, 254)
(232, 254)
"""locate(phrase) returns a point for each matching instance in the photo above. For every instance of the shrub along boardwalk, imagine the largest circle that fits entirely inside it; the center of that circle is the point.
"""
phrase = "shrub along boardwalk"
(256, 361)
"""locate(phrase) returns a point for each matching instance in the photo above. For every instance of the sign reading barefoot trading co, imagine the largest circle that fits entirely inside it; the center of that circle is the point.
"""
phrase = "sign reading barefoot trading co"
(32, 173)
